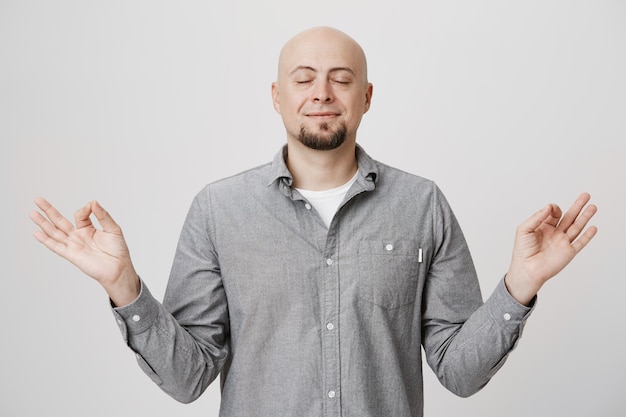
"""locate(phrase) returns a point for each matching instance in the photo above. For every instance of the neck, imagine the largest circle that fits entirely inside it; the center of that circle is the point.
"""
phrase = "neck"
(321, 170)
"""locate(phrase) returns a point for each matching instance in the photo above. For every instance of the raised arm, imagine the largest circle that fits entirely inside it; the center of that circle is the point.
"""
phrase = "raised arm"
(545, 244)
(101, 254)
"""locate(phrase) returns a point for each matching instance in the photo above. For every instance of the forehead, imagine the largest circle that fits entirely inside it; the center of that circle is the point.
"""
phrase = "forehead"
(322, 52)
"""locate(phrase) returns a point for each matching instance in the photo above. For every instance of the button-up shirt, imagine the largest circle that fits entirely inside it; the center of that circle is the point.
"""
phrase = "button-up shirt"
(305, 320)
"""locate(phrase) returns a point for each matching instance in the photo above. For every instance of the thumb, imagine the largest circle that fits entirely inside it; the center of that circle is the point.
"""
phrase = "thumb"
(105, 219)
(534, 221)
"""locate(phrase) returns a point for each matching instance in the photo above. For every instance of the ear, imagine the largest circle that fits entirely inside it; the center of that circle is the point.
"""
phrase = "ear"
(275, 98)
(368, 97)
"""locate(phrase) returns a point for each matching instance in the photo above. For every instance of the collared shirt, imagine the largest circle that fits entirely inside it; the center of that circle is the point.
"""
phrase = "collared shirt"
(304, 320)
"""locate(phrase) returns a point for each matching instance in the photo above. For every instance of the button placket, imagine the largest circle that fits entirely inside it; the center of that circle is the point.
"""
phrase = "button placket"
(330, 340)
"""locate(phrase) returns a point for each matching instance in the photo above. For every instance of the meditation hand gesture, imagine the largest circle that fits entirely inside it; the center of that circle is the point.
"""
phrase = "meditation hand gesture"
(101, 254)
(545, 244)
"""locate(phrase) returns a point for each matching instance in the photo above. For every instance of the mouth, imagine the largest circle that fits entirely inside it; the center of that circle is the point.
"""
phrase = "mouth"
(326, 115)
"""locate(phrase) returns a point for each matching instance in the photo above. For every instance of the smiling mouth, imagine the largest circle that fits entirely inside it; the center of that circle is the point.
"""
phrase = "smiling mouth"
(322, 115)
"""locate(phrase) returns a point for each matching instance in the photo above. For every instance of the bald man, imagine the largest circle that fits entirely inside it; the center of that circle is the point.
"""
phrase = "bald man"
(311, 283)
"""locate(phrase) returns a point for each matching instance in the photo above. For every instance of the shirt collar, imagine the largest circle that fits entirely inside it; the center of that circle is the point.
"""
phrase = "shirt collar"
(279, 168)
(368, 168)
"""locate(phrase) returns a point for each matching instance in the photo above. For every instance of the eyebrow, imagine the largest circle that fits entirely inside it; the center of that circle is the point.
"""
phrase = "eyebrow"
(307, 68)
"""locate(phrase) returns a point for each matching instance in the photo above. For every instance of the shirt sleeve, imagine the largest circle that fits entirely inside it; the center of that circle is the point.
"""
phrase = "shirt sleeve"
(465, 340)
(182, 343)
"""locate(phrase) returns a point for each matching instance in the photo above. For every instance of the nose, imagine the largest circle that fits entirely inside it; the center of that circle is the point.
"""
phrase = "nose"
(323, 92)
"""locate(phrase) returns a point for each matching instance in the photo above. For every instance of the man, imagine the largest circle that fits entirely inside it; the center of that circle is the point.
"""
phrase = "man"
(312, 282)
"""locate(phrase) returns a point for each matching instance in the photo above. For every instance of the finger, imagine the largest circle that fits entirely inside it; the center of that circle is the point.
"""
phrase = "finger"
(573, 212)
(554, 215)
(534, 221)
(580, 223)
(52, 244)
(584, 239)
(54, 216)
(82, 217)
(105, 219)
(49, 235)
(47, 228)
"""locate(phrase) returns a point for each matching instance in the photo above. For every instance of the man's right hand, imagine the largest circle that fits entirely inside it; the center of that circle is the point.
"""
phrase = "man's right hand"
(101, 254)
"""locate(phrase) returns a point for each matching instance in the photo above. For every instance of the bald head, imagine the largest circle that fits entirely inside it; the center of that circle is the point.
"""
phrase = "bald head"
(322, 90)
(321, 46)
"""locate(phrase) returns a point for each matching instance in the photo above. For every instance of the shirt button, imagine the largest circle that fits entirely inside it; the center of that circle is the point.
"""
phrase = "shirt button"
(308, 206)
(330, 326)
(331, 394)
(507, 316)
(329, 261)
(136, 318)
(388, 247)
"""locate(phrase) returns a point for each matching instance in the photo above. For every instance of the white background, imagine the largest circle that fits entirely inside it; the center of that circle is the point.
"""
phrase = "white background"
(506, 105)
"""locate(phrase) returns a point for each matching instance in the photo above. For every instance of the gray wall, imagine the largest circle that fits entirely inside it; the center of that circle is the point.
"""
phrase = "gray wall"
(507, 105)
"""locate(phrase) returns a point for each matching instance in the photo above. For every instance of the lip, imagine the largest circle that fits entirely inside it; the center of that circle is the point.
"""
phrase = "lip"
(322, 114)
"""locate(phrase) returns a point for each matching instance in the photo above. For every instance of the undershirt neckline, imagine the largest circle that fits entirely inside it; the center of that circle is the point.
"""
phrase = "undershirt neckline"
(326, 202)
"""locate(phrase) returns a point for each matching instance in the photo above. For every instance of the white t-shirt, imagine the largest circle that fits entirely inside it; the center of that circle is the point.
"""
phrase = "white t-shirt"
(326, 202)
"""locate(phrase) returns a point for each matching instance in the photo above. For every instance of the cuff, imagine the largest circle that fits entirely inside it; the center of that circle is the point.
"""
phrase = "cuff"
(139, 315)
(506, 311)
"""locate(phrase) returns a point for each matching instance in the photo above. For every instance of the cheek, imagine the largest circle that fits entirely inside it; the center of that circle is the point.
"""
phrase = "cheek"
(357, 107)
(290, 112)
(294, 107)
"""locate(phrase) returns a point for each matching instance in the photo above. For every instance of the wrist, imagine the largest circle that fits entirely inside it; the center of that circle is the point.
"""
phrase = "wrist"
(125, 290)
(519, 289)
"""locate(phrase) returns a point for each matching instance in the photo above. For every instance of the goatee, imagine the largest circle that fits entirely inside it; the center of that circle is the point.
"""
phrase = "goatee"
(320, 142)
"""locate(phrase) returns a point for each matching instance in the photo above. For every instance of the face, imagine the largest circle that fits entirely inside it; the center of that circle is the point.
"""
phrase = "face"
(322, 90)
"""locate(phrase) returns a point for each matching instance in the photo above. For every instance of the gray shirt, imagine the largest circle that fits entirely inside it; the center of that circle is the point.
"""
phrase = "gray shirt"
(302, 320)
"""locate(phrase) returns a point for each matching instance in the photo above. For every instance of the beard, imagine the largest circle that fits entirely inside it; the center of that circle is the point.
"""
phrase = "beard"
(325, 140)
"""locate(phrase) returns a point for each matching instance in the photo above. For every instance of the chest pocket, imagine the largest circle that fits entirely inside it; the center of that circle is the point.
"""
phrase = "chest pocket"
(388, 272)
